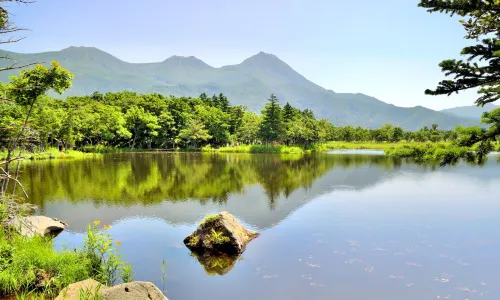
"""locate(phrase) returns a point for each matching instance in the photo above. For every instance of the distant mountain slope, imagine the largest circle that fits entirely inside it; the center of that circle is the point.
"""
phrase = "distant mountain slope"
(472, 111)
(249, 83)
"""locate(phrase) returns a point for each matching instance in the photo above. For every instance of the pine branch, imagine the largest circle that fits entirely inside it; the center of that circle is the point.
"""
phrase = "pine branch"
(460, 7)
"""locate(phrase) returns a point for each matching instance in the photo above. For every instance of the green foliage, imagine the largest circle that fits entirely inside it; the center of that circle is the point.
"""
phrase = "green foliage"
(271, 127)
(430, 152)
(193, 241)
(106, 263)
(210, 219)
(481, 68)
(217, 237)
(22, 260)
(260, 149)
(90, 293)
(194, 133)
(33, 83)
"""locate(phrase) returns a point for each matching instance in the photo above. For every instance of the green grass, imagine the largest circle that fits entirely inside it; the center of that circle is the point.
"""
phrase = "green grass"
(257, 149)
(51, 153)
(369, 145)
(23, 260)
(210, 219)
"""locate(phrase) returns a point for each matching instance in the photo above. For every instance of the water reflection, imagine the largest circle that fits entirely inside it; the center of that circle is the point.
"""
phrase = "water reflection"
(264, 189)
(216, 264)
(332, 226)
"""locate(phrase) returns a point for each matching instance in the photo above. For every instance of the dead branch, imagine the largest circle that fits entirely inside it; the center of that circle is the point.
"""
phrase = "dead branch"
(12, 40)
(15, 66)
(7, 176)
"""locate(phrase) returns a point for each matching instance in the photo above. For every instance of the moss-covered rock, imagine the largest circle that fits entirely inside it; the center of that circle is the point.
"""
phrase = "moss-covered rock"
(220, 234)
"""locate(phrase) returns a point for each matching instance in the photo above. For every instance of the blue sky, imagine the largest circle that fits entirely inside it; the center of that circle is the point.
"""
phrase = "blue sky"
(389, 49)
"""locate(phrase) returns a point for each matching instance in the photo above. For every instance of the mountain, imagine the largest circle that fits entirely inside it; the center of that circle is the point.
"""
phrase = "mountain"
(249, 83)
(472, 111)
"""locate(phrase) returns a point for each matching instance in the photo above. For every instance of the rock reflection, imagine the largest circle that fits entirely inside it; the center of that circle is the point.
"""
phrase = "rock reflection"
(216, 264)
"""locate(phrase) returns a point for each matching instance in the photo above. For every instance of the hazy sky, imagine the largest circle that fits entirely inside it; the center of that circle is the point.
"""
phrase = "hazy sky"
(389, 49)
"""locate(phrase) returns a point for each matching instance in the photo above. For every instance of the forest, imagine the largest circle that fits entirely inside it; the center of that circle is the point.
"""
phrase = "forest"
(153, 121)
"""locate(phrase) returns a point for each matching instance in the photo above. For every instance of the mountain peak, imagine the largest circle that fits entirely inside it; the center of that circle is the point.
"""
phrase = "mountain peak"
(191, 61)
(81, 48)
(263, 57)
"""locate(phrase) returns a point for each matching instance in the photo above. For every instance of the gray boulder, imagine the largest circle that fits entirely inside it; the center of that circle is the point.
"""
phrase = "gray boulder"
(137, 290)
(30, 226)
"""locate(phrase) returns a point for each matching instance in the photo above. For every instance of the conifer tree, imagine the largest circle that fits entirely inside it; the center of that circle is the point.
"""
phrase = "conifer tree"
(272, 124)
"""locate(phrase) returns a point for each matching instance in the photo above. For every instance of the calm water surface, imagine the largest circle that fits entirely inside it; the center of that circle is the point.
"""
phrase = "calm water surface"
(334, 226)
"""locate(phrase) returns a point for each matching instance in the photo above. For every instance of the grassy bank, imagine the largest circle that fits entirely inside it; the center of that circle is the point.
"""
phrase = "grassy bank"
(31, 267)
(257, 149)
(50, 153)
(282, 149)
(436, 152)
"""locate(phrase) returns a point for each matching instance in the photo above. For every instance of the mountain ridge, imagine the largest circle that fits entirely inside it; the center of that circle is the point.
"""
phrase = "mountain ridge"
(470, 111)
(248, 83)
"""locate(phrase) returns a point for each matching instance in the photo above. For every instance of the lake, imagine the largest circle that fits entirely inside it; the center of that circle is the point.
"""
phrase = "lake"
(333, 226)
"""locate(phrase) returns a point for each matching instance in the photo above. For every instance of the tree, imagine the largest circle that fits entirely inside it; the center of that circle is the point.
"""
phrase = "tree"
(223, 103)
(271, 126)
(482, 68)
(236, 114)
(215, 121)
(25, 90)
(289, 112)
(141, 122)
(194, 133)
(47, 119)
(249, 129)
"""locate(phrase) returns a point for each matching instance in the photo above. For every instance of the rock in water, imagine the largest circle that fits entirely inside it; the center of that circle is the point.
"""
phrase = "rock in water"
(220, 233)
(32, 225)
(136, 290)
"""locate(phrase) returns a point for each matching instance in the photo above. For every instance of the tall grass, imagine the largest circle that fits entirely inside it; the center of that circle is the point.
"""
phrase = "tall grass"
(24, 261)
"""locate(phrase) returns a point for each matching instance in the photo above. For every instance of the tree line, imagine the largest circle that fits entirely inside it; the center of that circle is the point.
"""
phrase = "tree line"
(128, 119)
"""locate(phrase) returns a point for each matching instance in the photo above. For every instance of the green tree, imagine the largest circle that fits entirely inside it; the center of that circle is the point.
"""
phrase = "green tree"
(215, 121)
(140, 122)
(48, 116)
(236, 114)
(481, 69)
(194, 133)
(26, 89)
(248, 132)
(223, 103)
(271, 126)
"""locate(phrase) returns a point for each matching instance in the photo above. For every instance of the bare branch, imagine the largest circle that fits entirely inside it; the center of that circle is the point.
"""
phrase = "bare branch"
(12, 40)
(7, 175)
(15, 67)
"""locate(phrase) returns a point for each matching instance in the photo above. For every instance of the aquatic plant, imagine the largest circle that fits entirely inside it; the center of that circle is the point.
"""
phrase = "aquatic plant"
(106, 265)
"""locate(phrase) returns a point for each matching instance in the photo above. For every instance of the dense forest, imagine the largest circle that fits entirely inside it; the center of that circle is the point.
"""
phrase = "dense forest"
(131, 120)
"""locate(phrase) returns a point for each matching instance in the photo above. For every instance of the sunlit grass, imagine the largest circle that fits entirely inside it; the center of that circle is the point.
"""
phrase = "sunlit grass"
(50, 153)
(30, 267)
(281, 149)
